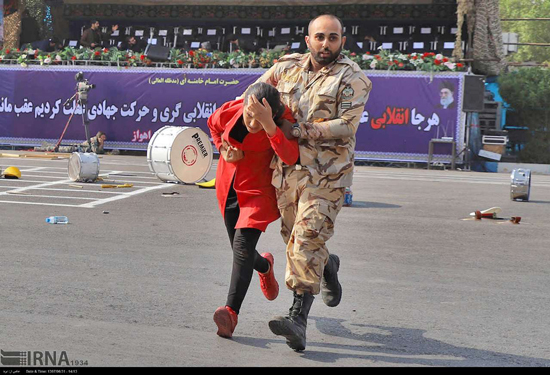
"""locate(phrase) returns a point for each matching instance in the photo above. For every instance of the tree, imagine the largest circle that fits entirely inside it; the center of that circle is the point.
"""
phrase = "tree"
(527, 90)
(528, 31)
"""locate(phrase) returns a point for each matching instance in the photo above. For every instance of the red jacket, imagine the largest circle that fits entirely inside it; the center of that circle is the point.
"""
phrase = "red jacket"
(256, 195)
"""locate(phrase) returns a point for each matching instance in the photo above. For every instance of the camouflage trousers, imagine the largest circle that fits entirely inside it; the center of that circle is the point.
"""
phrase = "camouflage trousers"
(307, 223)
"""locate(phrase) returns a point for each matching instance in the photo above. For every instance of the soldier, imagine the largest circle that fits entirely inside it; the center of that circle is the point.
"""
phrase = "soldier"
(326, 93)
(96, 143)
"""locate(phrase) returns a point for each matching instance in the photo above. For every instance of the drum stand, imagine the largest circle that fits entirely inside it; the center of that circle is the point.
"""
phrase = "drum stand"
(81, 100)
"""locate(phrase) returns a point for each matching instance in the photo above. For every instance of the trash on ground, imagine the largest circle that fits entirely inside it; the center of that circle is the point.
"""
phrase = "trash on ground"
(109, 186)
(488, 213)
(57, 220)
(491, 215)
(207, 185)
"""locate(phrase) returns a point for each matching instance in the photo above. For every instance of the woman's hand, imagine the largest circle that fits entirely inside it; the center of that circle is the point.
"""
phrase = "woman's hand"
(230, 153)
(262, 113)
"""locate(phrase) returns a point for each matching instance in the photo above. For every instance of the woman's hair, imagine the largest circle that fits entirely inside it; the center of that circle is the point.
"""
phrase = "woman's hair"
(263, 90)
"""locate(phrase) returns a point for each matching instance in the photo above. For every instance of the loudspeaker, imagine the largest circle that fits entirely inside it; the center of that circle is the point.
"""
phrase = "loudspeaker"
(157, 53)
(474, 93)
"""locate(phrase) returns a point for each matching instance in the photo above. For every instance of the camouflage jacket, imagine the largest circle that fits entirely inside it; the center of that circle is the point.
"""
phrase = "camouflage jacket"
(327, 107)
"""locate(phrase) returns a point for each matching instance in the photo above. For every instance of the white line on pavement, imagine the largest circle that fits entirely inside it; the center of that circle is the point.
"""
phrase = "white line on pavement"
(136, 192)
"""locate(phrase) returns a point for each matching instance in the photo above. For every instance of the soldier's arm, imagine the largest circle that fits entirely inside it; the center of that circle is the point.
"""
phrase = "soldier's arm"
(353, 94)
(270, 77)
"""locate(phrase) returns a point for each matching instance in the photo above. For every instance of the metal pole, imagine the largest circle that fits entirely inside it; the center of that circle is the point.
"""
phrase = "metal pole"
(529, 44)
(525, 19)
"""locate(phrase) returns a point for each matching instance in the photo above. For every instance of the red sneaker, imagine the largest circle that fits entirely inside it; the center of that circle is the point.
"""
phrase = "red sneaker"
(226, 319)
(268, 283)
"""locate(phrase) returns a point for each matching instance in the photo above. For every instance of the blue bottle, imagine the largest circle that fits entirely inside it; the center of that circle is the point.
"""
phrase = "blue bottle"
(57, 220)
(348, 197)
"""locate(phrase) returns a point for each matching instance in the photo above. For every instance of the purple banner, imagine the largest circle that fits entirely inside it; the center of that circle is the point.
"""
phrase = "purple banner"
(403, 114)
(407, 110)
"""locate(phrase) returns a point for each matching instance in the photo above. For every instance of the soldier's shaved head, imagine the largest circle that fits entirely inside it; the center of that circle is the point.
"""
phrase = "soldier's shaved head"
(325, 40)
(332, 16)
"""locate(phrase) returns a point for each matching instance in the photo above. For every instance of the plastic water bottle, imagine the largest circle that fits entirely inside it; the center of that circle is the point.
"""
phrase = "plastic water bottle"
(348, 197)
(57, 220)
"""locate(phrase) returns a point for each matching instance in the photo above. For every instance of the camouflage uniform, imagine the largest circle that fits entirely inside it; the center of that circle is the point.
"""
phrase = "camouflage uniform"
(327, 106)
(95, 146)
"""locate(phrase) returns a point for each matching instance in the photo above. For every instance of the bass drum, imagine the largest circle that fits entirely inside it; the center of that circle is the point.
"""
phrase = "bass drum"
(83, 167)
(180, 154)
(520, 189)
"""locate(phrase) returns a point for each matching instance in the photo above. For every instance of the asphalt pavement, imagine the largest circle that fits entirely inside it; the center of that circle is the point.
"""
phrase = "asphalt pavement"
(134, 279)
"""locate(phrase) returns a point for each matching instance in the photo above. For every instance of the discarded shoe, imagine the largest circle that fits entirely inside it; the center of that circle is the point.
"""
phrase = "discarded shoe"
(226, 319)
(331, 290)
(268, 283)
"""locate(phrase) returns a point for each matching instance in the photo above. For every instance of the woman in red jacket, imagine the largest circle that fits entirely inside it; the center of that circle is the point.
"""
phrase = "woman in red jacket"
(247, 137)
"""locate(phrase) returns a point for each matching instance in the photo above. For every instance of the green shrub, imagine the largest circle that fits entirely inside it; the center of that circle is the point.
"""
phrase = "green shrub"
(527, 91)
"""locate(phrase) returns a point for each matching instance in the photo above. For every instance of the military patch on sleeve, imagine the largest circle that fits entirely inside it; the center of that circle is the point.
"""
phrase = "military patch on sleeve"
(347, 93)
(345, 105)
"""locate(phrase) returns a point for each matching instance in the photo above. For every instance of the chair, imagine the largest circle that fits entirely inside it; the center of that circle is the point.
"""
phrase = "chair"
(161, 37)
(139, 32)
(116, 38)
(281, 35)
(71, 43)
(214, 35)
(184, 36)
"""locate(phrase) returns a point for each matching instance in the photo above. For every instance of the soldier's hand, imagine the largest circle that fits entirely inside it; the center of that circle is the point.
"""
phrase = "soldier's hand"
(286, 127)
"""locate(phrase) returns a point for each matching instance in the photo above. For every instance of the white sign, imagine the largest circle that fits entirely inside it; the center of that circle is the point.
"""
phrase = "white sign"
(448, 45)
(398, 30)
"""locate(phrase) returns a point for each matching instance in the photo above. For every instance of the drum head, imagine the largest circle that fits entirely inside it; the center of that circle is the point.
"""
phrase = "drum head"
(74, 166)
(191, 155)
(83, 167)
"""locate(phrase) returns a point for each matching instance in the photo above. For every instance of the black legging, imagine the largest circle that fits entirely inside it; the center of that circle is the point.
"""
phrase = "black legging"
(245, 257)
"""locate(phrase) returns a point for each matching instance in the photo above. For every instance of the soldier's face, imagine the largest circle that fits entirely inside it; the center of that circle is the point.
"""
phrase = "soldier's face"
(325, 40)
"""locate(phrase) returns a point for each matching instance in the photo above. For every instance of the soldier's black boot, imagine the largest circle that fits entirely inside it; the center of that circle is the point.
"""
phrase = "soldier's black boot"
(293, 326)
(331, 290)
